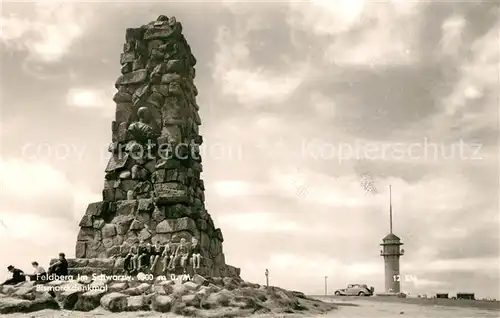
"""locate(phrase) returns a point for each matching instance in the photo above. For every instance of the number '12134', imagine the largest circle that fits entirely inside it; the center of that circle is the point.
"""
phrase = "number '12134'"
(405, 278)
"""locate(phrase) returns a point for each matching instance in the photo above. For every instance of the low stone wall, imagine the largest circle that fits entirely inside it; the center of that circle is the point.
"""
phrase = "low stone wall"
(114, 266)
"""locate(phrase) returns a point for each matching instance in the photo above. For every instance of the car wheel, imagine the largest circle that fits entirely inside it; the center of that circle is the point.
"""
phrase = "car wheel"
(337, 293)
(361, 294)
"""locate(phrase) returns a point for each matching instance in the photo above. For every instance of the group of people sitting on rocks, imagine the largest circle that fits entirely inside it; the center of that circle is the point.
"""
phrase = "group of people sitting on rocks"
(59, 268)
(139, 257)
(146, 256)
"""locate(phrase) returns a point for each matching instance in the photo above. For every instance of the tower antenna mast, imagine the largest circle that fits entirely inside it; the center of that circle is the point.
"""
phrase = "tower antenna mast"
(390, 209)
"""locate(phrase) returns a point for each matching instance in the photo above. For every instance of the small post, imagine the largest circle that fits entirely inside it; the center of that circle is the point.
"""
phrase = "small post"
(267, 277)
(326, 285)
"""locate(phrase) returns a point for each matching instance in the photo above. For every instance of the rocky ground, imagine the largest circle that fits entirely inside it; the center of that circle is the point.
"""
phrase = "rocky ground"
(198, 297)
(347, 308)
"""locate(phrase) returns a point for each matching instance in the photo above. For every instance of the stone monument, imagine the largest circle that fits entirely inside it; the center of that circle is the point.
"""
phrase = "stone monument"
(153, 197)
(153, 192)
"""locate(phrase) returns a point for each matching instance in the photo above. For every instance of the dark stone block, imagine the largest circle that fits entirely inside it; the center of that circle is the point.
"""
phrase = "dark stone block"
(127, 57)
(145, 205)
(218, 234)
(158, 176)
(171, 77)
(170, 193)
(192, 60)
(108, 194)
(86, 234)
(134, 77)
(164, 32)
(201, 224)
(112, 251)
(80, 249)
(176, 66)
(126, 68)
(124, 112)
(126, 207)
(122, 223)
(176, 225)
(168, 164)
(117, 161)
(97, 208)
(134, 34)
(122, 97)
(128, 47)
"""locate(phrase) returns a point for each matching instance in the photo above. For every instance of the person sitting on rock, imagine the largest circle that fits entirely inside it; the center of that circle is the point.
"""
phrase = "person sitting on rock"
(145, 252)
(59, 268)
(17, 276)
(157, 252)
(195, 253)
(130, 261)
(39, 274)
(167, 256)
(181, 254)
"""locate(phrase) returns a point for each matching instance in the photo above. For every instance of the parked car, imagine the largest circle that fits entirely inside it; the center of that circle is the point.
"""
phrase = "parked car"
(355, 290)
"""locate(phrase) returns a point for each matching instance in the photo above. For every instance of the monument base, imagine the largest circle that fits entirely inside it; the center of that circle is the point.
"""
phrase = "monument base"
(114, 266)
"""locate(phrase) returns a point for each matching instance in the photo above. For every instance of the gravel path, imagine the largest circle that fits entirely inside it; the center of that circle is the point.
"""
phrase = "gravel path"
(375, 309)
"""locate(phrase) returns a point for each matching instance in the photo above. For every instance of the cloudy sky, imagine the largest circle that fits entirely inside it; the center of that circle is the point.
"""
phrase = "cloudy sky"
(300, 103)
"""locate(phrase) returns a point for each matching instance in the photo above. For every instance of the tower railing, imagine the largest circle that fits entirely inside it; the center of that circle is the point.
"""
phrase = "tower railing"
(401, 253)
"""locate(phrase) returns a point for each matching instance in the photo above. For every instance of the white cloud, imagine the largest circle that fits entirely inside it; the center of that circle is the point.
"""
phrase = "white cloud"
(39, 188)
(318, 188)
(26, 226)
(335, 269)
(256, 86)
(49, 34)
(39, 213)
(324, 17)
(365, 269)
(453, 233)
(36, 179)
(449, 194)
(325, 107)
(260, 222)
(88, 98)
(376, 42)
(478, 87)
(283, 260)
(251, 85)
(11, 124)
(485, 264)
(232, 188)
(84, 98)
(380, 44)
(232, 50)
(308, 265)
(451, 40)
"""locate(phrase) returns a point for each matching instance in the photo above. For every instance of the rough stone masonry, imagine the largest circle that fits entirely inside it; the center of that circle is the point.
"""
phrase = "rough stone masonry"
(152, 190)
